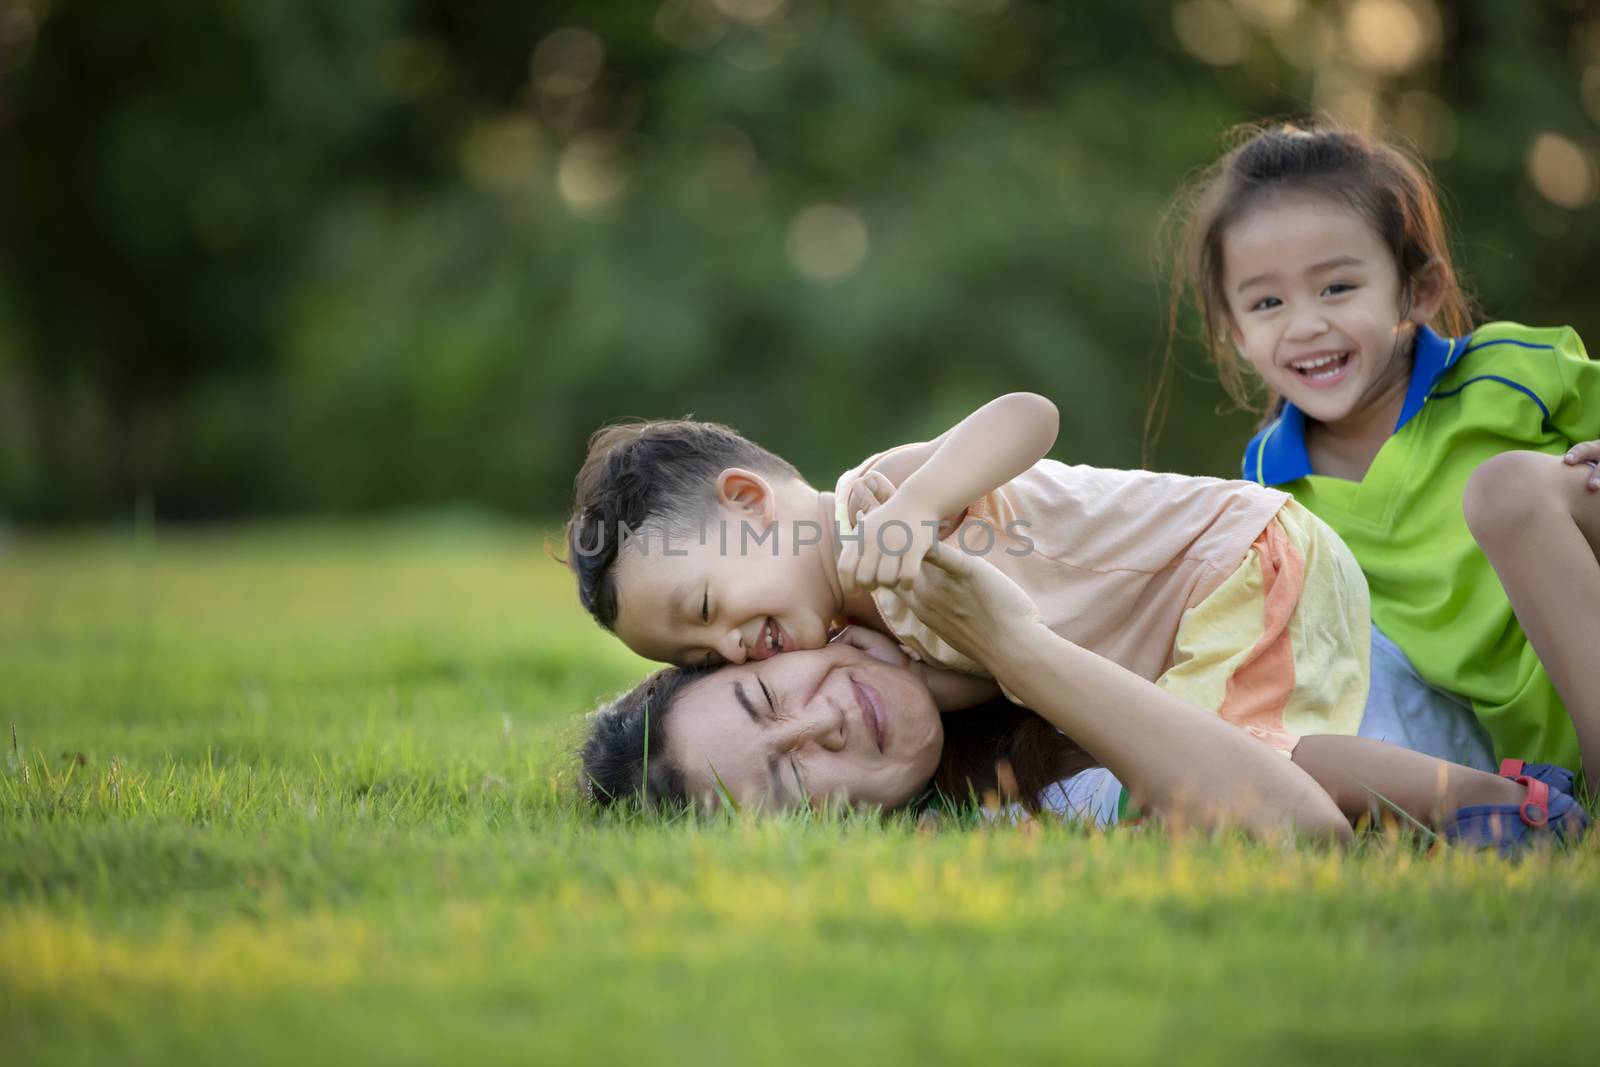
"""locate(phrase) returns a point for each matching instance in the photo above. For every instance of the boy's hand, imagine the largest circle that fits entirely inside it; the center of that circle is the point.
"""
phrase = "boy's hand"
(1586, 452)
(894, 533)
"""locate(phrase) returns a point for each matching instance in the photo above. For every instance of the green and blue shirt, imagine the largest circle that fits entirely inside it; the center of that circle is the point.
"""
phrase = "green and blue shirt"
(1505, 387)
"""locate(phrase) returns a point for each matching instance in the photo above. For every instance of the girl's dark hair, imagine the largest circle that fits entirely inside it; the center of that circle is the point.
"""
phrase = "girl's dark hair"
(625, 757)
(1383, 184)
(648, 477)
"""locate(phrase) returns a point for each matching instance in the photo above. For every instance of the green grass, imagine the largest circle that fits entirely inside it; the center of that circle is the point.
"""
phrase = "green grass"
(325, 811)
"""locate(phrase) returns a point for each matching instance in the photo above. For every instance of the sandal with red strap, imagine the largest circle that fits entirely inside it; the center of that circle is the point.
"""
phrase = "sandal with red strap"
(1545, 812)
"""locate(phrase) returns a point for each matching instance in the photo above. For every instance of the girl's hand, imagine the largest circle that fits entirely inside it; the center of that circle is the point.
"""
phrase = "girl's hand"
(970, 603)
(1586, 452)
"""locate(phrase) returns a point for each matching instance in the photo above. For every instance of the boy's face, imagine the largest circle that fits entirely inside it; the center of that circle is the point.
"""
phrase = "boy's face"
(729, 599)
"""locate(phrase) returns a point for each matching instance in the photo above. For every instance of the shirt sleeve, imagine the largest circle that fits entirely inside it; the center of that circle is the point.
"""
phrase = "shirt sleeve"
(1576, 412)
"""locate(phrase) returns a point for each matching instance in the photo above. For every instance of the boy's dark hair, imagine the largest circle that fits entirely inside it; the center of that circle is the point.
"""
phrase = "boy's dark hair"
(976, 742)
(648, 477)
(1383, 184)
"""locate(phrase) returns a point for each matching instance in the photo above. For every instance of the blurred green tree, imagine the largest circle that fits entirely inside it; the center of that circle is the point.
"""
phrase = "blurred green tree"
(276, 255)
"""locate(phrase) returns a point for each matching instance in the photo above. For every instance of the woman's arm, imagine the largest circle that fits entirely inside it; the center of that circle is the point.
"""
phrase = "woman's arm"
(1172, 756)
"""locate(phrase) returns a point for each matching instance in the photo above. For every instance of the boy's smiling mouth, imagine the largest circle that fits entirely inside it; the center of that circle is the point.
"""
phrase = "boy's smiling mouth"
(772, 641)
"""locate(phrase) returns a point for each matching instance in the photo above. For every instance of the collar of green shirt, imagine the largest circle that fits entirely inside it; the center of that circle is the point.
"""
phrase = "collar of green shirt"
(1277, 453)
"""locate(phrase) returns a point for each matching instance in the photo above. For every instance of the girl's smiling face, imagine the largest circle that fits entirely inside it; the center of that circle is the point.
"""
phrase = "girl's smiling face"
(1315, 299)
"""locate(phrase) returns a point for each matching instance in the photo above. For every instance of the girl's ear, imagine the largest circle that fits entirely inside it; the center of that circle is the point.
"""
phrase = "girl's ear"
(1235, 335)
(748, 494)
(1427, 293)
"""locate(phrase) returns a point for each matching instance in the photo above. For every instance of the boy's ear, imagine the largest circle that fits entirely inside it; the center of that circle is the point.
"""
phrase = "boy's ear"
(748, 493)
(1427, 293)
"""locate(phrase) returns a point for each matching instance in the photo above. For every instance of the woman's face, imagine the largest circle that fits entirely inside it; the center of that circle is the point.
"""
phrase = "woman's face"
(835, 722)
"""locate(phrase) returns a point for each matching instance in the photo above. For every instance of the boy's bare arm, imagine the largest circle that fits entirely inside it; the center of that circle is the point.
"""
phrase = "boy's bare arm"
(984, 451)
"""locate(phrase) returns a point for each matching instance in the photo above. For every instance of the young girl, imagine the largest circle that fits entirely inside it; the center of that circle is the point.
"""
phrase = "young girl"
(1318, 259)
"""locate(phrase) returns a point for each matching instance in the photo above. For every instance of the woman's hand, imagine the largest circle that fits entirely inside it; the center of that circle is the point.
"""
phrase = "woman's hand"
(970, 603)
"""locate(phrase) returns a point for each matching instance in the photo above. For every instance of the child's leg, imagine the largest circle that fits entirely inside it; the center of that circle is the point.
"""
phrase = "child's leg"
(1539, 524)
(1357, 771)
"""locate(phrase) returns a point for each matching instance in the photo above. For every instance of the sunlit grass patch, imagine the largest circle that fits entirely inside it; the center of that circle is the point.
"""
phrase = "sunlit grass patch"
(307, 794)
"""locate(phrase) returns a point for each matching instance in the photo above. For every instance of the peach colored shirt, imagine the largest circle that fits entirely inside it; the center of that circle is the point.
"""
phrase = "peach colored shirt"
(1116, 556)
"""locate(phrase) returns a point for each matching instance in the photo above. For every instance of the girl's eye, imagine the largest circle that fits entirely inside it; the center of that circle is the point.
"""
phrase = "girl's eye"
(1338, 287)
(1266, 303)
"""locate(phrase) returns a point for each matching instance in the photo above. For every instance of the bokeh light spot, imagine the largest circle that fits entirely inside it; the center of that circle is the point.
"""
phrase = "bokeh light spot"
(1562, 171)
(18, 30)
(692, 25)
(567, 62)
(1268, 12)
(826, 242)
(1390, 35)
(1347, 95)
(593, 175)
(1210, 31)
(753, 12)
(1428, 122)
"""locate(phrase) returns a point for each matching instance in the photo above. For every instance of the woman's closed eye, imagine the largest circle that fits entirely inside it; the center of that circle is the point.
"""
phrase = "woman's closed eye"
(772, 706)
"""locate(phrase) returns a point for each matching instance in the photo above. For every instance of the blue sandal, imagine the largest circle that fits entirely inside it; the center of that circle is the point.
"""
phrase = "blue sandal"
(1510, 827)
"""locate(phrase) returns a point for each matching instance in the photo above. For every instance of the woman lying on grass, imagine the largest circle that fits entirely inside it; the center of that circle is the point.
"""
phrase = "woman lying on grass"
(852, 723)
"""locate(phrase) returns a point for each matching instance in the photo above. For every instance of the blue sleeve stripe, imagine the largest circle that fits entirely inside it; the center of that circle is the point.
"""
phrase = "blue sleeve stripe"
(1503, 341)
(1518, 386)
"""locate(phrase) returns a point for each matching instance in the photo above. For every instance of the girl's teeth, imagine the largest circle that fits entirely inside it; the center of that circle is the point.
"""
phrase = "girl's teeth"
(1324, 367)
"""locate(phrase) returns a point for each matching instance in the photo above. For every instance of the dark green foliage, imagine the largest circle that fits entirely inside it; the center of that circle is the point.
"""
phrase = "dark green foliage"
(290, 255)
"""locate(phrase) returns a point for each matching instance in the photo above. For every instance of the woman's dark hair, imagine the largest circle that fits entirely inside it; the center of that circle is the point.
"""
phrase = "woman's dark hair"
(1383, 184)
(648, 478)
(625, 758)
(625, 755)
